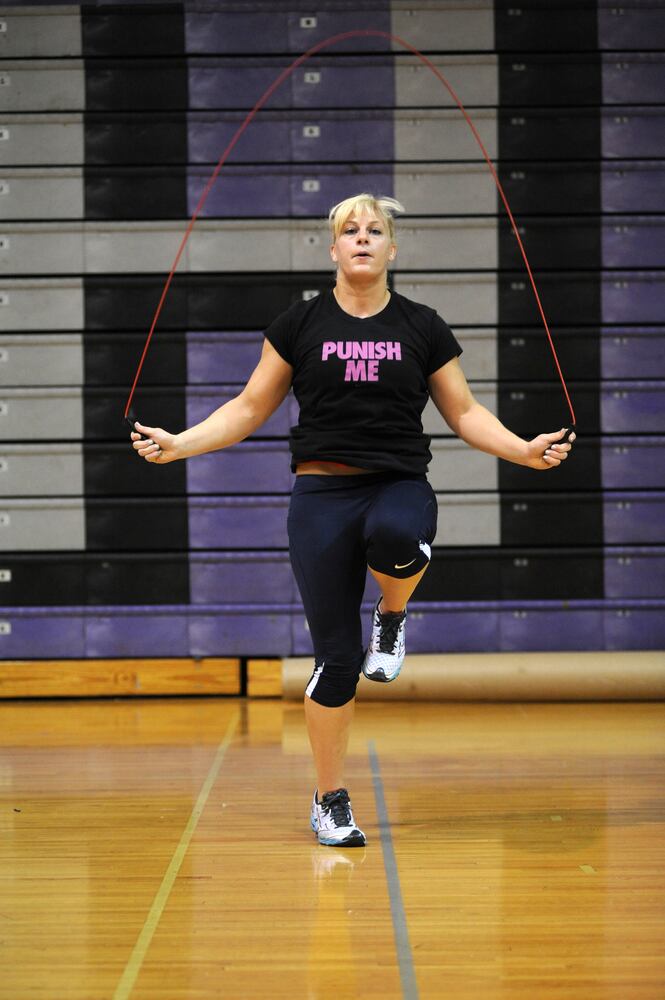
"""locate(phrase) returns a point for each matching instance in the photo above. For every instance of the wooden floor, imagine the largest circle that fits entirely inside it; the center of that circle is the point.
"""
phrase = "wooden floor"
(159, 850)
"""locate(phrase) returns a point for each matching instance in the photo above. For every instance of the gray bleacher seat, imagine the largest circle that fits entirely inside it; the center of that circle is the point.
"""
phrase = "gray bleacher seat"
(33, 470)
(47, 304)
(47, 413)
(42, 524)
(32, 359)
(37, 30)
(41, 193)
(34, 140)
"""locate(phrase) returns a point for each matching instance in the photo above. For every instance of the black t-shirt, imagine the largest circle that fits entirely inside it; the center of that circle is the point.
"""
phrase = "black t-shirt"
(361, 384)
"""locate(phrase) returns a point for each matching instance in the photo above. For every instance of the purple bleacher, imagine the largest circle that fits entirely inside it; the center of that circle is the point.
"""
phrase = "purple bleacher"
(313, 192)
(238, 522)
(550, 628)
(227, 630)
(630, 27)
(335, 136)
(633, 242)
(266, 139)
(348, 82)
(222, 357)
(278, 191)
(632, 186)
(632, 297)
(632, 407)
(291, 137)
(324, 82)
(240, 191)
(634, 518)
(632, 132)
(281, 630)
(510, 627)
(640, 625)
(633, 352)
(240, 578)
(633, 78)
(201, 402)
(303, 34)
(210, 31)
(249, 467)
(633, 463)
(38, 633)
(449, 629)
(220, 84)
(635, 572)
(431, 628)
(139, 631)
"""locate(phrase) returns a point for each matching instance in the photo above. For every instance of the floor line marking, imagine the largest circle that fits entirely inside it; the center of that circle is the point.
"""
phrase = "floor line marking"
(401, 931)
(137, 956)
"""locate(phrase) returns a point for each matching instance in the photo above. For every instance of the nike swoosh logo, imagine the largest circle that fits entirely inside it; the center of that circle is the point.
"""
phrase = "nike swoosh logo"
(405, 565)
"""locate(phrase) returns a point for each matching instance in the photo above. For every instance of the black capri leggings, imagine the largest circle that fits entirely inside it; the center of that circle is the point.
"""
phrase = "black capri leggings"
(338, 526)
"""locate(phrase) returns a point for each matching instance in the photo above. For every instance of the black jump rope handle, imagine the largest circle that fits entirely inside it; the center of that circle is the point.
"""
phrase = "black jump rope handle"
(130, 420)
(566, 437)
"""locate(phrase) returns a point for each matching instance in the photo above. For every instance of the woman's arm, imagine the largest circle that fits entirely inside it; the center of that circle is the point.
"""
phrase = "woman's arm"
(482, 430)
(232, 422)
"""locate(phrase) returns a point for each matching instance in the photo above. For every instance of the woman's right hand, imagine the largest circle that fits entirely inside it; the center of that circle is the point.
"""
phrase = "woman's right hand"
(154, 444)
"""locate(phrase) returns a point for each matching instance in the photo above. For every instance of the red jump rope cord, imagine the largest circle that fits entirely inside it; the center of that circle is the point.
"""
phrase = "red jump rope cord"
(284, 75)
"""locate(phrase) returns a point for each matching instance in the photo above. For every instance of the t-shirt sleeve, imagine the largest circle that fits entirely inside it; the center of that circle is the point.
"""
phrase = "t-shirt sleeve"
(443, 345)
(280, 335)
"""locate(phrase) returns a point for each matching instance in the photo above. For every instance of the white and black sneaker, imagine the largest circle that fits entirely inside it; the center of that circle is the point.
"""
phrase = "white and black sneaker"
(385, 653)
(332, 820)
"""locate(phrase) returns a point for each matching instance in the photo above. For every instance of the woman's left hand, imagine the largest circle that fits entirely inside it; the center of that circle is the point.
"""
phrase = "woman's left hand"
(545, 453)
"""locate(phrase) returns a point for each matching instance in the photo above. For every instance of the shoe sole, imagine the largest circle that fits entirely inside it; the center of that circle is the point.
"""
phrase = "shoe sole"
(380, 676)
(353, 840)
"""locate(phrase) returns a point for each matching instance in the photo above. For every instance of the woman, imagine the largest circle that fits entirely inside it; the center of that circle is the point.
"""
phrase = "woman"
(362, 362)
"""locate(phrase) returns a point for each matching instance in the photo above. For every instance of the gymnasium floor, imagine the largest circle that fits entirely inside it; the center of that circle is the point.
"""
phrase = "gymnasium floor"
(160, 849)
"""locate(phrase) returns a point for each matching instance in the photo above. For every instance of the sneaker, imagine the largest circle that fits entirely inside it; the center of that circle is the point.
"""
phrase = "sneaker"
(332, 820)
(385, 653)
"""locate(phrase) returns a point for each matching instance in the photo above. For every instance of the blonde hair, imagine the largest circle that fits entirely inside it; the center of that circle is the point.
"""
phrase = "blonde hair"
(358, 203)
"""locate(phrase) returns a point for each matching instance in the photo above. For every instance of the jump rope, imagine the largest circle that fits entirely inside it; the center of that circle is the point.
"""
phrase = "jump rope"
(284, 75)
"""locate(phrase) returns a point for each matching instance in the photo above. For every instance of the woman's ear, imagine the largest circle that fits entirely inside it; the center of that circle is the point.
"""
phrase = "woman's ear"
(333, 253)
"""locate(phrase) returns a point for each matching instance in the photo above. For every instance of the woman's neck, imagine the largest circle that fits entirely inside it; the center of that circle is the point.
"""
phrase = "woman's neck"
(364, 301)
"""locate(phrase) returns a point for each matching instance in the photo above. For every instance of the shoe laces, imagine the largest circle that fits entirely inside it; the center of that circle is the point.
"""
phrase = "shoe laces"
(389, 626)
(338, 807)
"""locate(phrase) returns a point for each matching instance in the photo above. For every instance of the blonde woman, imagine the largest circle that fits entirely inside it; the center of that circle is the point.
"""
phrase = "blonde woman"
(362, 362)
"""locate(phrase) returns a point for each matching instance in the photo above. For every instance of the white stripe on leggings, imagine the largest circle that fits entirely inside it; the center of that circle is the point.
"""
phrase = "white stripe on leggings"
(314, 679)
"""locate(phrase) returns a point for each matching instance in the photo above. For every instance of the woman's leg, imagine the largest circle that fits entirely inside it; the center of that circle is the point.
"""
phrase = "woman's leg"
(328, 730)
(395, 592)
(328, 560)
(399, 531)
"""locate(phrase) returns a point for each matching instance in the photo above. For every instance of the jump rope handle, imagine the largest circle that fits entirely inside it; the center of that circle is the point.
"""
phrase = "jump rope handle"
(566, 437)
(130, 419)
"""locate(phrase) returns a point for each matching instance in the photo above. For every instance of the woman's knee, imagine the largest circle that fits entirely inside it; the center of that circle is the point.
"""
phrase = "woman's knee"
(334, 682)
(401, 530)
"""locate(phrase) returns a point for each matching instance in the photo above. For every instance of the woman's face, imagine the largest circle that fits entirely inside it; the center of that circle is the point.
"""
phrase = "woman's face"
(363, 248)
